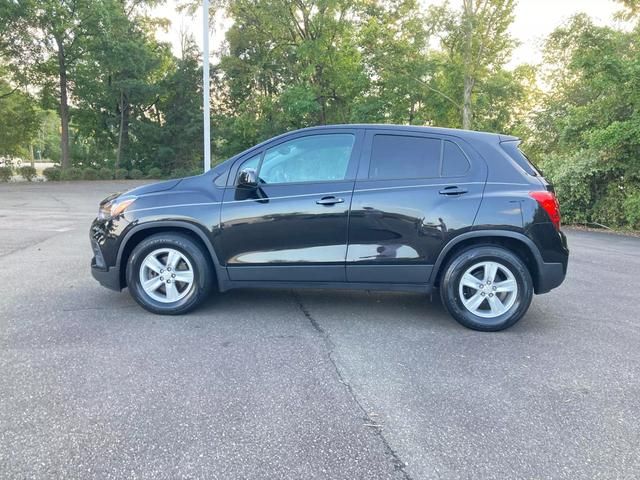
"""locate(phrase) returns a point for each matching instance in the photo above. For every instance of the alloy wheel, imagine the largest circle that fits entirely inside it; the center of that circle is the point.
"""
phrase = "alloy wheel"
(166, 275)
(488, 289)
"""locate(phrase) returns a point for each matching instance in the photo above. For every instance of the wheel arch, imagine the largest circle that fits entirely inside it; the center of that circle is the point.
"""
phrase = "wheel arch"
(142, 231)
(516, 242)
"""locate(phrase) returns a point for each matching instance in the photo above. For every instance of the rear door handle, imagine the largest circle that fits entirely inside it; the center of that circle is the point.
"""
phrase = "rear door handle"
(453, 190)
(329, 200)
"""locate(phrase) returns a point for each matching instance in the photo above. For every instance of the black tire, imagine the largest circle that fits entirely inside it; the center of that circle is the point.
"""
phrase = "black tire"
(203, 275)
(455, 269)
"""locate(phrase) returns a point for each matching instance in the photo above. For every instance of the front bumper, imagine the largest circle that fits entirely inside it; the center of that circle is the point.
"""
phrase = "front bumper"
(107, 277)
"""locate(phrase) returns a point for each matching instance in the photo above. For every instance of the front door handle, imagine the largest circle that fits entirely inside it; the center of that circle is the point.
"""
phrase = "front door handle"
(331, 200)
(453, 190)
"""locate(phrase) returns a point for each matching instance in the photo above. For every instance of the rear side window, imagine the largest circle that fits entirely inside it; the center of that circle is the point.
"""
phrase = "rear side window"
(397, 156)
(520, 158)
(454, 162)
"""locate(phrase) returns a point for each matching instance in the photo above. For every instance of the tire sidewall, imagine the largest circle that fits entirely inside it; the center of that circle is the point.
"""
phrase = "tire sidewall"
(450, 292)
(185, 247)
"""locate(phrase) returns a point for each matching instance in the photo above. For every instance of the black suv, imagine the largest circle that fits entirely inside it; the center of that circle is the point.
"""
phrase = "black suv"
(374, 207)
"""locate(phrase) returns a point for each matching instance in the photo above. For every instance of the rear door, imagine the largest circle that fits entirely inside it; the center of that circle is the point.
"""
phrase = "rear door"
(414, 191)
(293, 227)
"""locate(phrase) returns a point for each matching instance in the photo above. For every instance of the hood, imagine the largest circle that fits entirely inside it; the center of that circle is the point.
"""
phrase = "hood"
(153, 188)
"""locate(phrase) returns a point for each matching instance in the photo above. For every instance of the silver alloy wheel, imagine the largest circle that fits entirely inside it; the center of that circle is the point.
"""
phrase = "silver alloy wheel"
(488, 289)
(166, 275)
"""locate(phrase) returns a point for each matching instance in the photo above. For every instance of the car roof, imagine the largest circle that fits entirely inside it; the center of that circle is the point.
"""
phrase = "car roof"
(465, 134)
(485, 137)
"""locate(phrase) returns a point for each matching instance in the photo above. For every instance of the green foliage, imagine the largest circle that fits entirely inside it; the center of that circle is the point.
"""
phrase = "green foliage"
(5, 173)
(588, 129)
(27, 172)
(89, 174)
(183, 172)
(632, 209)
(133, 107)
(105, 174)
(52, 174)
(154, 172)
(135, 174)
(18, 115)
(71, 173)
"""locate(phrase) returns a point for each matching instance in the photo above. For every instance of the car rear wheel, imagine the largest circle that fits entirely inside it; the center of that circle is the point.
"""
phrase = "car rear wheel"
(486, 288)
(169, 274)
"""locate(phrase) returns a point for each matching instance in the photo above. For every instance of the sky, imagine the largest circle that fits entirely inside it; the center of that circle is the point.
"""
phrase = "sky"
(534, 20)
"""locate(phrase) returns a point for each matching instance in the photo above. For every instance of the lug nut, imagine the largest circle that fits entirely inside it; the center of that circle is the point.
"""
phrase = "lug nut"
(168, 281)
(161, 270)
(491, 294)
(173, 275)
(161, 278)
(495, 288)
(482, 294)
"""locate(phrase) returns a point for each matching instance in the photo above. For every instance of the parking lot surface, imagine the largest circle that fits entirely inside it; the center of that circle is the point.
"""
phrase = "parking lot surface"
(304, 384)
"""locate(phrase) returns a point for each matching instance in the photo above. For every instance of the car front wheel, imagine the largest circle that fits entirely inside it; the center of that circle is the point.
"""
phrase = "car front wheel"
(486, 288)
(168, 274)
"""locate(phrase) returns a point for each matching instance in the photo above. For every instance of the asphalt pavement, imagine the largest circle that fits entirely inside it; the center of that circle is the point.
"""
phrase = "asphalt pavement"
(304, 384)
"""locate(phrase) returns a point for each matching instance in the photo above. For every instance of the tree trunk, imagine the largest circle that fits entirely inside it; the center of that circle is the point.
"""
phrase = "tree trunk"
(467, 108)
(123, 137)
(64, 107)
(469, 80)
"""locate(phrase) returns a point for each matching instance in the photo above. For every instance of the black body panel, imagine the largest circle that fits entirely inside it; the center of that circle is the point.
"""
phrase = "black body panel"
(353, 232)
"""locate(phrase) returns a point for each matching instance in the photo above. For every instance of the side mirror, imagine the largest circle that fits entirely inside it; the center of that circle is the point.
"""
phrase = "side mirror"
(248, 177)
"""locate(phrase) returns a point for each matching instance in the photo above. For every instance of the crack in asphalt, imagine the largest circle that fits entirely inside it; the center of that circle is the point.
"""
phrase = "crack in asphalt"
(398, 464)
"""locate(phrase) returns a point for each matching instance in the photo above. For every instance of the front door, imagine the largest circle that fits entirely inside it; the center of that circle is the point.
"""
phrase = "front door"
(293, 226)
(413, 193)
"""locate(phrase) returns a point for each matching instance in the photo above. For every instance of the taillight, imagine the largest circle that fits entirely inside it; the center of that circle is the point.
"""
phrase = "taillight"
(549, 202)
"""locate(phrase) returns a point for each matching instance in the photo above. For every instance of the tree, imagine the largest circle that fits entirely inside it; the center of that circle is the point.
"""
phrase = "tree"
(19, 119)
(477, 45)
(44, 40)
(117, 86)
(587, 131)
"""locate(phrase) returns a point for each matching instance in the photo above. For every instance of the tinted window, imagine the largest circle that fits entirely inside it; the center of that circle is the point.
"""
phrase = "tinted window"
(396, 156)
(317, 158)
(454, 162)
(520, 158)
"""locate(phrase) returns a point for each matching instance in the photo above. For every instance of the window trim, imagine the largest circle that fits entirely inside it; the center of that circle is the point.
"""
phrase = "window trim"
(352, 165)
(365, 162)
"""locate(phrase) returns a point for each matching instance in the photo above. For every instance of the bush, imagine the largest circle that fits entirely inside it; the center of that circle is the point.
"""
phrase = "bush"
(5, 174)
(154, 172)
(27, 172)
(52, 174)
(575, 179)
(105, 174)
(121, 173)
(181, 172)
(135, 174)
(89, 174)
(632, 209)
(71, 173)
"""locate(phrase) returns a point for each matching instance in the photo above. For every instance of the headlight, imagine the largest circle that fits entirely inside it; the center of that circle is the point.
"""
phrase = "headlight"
(111, 207)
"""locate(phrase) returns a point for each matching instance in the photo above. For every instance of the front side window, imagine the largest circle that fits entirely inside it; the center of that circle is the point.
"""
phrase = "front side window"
(398, 157)
(316, 158)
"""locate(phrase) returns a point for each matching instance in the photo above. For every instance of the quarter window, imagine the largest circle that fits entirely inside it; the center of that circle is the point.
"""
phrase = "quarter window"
(397, 156)
(316, 158)
(454, 162)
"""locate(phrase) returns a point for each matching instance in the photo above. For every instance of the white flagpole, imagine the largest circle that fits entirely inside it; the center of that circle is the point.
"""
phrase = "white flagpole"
(205, 85)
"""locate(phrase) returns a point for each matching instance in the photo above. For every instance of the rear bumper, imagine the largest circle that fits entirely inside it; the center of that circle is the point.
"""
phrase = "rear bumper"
(107, 277)
(550, 276)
